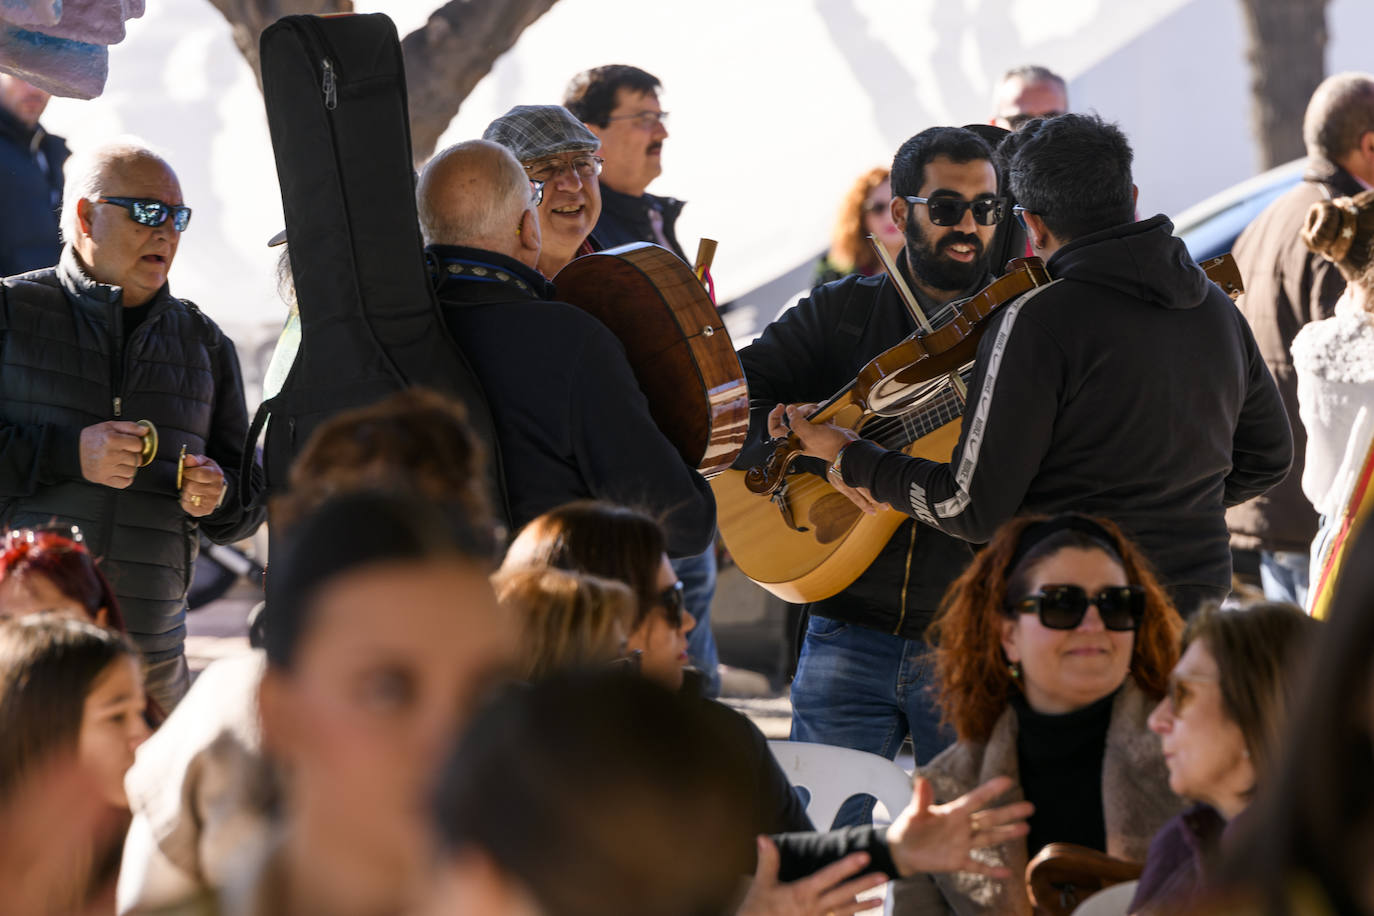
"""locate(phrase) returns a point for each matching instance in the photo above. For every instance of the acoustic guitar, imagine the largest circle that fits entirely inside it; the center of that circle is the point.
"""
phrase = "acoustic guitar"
(676, 343)
(800, 538)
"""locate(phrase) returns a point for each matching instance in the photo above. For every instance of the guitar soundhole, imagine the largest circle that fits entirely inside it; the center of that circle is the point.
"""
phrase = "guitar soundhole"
(832, 516)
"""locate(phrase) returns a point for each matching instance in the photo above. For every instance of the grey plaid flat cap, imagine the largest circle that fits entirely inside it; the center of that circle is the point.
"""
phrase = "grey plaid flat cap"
(536, 131)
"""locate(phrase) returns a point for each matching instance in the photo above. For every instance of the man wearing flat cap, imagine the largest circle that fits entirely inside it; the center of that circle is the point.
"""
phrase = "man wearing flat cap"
(557, 149)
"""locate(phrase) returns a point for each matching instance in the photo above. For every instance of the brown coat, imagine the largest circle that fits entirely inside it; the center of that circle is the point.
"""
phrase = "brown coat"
(1286, 286)
(1136, 802)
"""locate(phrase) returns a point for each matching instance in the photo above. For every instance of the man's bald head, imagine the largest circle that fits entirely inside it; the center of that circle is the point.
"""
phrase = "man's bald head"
(476, 194)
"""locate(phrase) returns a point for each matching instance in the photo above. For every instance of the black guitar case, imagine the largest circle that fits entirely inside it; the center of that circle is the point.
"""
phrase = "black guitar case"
(370, 323)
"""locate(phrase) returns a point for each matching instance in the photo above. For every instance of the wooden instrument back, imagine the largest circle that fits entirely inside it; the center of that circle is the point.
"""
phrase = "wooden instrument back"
(676, 343)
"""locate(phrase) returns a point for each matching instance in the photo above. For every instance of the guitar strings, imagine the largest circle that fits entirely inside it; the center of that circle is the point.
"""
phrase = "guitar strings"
(939, 402)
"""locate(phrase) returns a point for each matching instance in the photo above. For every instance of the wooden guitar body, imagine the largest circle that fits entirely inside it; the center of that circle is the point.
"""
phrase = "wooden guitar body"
(837, 541)
(676, 343)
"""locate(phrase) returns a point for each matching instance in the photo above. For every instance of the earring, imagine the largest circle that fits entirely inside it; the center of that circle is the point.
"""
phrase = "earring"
(1014, 669)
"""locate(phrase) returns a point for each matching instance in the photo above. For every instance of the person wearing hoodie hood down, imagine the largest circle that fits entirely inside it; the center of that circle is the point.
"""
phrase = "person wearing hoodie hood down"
(1129, 387)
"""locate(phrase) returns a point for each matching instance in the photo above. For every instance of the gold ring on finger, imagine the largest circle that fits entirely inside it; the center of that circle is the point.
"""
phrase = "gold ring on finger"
(195, 500)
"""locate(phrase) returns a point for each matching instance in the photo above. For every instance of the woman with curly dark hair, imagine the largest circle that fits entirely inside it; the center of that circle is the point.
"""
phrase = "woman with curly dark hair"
(1051, 650)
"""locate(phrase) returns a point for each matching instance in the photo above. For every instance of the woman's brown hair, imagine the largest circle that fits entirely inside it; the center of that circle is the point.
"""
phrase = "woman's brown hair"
(1260, 652)
(975, 683)
(567, 620)
(416, 441)
(1342, 231)
(614, 542)
(850, 250)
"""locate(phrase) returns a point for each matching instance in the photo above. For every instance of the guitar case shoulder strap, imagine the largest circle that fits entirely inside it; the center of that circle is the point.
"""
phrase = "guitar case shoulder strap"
(370, 321)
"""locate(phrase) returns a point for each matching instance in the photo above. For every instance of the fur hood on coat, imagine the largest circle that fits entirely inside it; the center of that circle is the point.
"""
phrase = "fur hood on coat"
(1136, 803)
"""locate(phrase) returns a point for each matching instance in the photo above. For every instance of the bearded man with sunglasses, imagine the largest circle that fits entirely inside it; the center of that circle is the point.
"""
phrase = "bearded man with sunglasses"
(94, 354)
(862, 677)
(1130, 387)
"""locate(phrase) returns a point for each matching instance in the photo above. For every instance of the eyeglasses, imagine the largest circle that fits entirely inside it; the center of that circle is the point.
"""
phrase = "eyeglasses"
(673, 600)
(148, 212)
(549, 169)
(1020, 212)
(1179, 693)
(645, 119)
(1063, 607)
(949, 211)
(536, 192)
(1018, 121)
(32, 535)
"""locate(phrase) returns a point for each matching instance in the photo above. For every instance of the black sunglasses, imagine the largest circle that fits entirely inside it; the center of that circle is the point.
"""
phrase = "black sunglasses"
(1063, 607)
(673, 599)
(949, 211)
(148, 212)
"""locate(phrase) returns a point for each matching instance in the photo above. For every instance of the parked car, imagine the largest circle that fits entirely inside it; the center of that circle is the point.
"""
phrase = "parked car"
(1210, 228)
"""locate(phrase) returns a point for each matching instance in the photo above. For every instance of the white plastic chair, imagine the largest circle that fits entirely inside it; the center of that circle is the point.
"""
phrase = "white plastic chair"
(1110, 901)
(832, 774)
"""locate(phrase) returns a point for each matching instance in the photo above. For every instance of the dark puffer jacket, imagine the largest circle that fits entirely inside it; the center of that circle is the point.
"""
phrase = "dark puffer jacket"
(63, 368)
(31, 195)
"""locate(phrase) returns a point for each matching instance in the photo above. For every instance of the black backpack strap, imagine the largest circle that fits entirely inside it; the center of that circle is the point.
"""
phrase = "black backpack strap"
(248, 499)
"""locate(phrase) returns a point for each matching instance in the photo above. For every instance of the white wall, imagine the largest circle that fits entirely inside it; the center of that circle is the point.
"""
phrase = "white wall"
(776, 106)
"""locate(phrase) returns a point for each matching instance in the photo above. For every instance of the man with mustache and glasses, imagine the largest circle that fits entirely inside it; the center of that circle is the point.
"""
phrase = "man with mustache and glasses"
(620, 105)
(91, 349)
(862, 674)
(1129, 387)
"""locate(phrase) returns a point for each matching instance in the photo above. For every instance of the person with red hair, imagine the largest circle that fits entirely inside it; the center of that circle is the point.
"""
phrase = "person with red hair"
(53, 571)
(1051, 649)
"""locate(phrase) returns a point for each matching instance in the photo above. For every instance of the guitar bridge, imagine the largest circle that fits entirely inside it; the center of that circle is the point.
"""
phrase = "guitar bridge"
(779, 499)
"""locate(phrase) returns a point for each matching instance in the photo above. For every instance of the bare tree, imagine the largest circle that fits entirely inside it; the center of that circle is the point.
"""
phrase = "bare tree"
(444, 59)
(1287, 57)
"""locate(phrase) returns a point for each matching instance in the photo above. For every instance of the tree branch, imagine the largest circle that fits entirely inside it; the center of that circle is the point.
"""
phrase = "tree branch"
(453, 51)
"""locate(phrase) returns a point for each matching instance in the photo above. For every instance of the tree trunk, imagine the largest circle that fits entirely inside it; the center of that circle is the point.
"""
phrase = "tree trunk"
(444, 60)
(1287, 57)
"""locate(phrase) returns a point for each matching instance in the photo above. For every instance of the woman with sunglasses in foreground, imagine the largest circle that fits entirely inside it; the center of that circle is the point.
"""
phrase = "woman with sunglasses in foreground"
(1051, 649)
(1219, 725)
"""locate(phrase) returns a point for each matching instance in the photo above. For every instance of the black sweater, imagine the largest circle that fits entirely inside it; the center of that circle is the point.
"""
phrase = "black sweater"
(570, 418)
(1130, 387)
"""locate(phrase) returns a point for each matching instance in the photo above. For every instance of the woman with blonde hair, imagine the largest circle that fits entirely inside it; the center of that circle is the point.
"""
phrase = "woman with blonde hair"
(567, 621)
(1051, 649)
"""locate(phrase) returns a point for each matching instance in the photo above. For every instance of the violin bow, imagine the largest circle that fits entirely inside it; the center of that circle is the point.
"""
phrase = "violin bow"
(914, 307)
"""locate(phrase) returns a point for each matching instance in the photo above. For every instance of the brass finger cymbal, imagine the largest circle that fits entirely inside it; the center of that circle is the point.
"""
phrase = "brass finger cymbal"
(145, 458)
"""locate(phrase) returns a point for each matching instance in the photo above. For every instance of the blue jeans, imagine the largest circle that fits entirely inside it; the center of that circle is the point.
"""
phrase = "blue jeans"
(860, 688)
(698, 575)
(1283, 573)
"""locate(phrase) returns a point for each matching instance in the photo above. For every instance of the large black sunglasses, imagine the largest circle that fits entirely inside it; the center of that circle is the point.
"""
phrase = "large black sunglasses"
(149, 212)
(949, 211)
(674, 602)
(1063, 607)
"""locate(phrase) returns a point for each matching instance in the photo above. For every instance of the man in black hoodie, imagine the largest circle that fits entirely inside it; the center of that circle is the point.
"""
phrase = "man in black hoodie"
(1130, 387)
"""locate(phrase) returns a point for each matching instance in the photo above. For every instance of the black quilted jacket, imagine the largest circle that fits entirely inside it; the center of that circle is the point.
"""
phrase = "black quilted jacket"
(63, 367)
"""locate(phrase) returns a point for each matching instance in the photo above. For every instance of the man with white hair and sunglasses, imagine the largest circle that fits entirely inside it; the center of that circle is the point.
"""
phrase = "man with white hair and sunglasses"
(121, 407)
